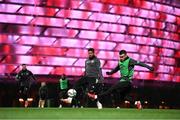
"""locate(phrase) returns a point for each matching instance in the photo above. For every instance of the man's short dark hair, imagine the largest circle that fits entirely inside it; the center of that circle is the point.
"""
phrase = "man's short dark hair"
(91, 49)
(122, 52)
(23, 64)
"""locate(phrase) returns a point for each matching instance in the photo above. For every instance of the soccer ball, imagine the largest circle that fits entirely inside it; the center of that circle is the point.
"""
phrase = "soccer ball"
(71, 92)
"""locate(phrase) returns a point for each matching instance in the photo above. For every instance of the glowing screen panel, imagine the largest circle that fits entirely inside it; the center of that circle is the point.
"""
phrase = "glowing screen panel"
(52, 36)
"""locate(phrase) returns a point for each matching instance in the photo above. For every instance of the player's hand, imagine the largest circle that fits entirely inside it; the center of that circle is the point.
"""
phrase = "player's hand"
(151, 69)
(108, 73)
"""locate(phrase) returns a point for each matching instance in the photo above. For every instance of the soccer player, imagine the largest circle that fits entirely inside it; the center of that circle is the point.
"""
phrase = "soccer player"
(63, 88)
(43, 92)
(24, 78)
(93, 75)
(126, 68)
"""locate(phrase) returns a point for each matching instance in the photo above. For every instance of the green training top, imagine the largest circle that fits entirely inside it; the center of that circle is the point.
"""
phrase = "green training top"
(63, 84)
(124, 70)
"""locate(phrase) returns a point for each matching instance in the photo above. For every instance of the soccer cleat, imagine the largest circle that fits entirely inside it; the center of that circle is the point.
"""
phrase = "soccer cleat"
(99, 105)
(138, 105)
(93, 96)
(26, 104)
(67, 100)
(60, 106)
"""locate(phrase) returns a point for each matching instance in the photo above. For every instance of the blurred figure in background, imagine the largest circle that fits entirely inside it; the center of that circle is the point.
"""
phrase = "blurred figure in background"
(43, 93)
(63, 88)
(25, 79)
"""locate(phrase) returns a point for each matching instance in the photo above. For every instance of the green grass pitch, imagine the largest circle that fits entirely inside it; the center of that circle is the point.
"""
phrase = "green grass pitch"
(87, 114)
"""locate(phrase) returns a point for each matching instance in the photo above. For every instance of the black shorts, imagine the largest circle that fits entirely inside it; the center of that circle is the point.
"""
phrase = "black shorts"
(43, 96)
(24, 92)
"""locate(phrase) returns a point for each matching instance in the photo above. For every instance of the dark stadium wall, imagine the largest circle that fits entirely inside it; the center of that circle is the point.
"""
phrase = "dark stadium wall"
(151, 94)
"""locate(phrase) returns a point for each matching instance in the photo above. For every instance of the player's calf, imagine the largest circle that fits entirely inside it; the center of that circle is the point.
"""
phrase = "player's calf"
(92, 96)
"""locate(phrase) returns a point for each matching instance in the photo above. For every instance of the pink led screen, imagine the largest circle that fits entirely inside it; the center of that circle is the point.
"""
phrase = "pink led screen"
(52, 36)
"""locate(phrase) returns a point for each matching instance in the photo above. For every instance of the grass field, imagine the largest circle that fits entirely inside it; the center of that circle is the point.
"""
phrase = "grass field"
(87, 113)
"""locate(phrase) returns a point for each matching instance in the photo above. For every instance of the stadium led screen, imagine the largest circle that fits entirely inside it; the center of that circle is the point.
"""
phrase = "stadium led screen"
(52, 36)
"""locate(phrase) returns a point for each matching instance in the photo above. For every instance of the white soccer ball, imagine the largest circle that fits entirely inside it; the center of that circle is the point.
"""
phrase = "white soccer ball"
(71, 92)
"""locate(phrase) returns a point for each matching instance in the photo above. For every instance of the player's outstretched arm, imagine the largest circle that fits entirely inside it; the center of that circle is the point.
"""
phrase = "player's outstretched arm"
(113, 71)
(134, 62)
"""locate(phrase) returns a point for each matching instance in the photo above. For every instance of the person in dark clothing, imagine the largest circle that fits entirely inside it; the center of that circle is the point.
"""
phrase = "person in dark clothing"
(93, 75)
(43, 93)
(126, 67)
(24, 78)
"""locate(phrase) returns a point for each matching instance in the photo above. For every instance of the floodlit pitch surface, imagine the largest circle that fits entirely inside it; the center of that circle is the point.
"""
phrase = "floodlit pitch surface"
(87, 113)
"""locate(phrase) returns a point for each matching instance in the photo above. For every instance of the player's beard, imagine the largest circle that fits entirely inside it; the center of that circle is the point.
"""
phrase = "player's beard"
(124, 59)
(91, 57)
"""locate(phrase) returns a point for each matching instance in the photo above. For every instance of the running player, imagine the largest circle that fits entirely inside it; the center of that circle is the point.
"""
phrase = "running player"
(93, 75)
(126, 68)
(24, 78)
